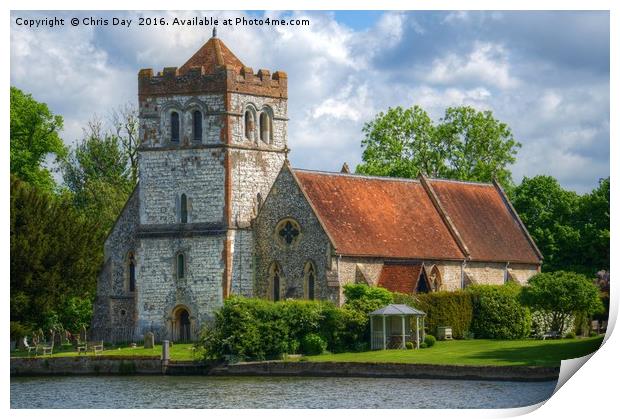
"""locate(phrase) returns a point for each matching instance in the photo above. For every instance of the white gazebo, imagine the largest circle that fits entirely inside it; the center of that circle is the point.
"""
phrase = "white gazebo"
(391, 327)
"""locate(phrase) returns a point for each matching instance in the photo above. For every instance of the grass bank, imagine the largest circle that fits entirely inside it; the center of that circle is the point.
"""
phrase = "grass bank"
(178, 352)
(547, 353)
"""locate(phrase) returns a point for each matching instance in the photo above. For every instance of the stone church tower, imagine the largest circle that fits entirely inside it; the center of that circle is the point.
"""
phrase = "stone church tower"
(214, 137)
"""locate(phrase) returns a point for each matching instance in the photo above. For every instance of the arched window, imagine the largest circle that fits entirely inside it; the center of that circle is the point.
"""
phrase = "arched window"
(180, 266)
(275, 280)
(132, 272)
(183, 208)
(174, 127)
(422, 286)
(265, 127)
(310, 280)
(248, 120)
(197, 126)
(435, 278)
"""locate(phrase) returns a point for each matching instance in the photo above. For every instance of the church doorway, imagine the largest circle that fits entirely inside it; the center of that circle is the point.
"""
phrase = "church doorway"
(181, 325)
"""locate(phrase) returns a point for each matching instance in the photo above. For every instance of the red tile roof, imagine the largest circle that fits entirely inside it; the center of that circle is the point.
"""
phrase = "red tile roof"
(485, 221)
(406, 219)
(370, 216)
(400, 278)
(212, 55)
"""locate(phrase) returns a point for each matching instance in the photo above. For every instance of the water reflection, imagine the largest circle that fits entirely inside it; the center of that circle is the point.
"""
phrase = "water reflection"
(270, 392)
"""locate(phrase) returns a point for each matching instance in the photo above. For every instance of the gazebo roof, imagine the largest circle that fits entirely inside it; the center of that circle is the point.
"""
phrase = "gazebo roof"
(397, 309)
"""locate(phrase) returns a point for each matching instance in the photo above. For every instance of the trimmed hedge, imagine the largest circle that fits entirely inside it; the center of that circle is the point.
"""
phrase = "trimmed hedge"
(256, 329)
(498, 313)
(443, 308)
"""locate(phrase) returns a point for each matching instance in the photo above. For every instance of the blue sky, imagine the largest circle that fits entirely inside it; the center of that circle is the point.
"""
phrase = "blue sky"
(546, 74)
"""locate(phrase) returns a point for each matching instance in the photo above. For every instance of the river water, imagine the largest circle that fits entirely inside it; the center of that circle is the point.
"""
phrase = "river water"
(270, 392)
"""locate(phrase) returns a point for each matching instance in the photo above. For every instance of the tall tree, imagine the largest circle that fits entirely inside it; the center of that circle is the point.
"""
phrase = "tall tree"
(402, 143)
(479, 147)
(34, 136)
(126, 123)
(572, 231)
(55, 254)
(467, 144)
(593, 220)
(97, 173)
(548, 210)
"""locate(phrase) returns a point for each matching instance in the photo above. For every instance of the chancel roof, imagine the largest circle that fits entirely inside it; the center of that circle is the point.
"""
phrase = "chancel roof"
(417, 219)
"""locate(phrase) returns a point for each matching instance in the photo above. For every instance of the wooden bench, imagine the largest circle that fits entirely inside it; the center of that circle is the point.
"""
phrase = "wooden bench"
(81, 347)
(44, 349)
(96, 347)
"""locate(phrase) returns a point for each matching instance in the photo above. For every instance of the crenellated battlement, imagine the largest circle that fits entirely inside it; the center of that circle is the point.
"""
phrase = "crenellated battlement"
(224, 79)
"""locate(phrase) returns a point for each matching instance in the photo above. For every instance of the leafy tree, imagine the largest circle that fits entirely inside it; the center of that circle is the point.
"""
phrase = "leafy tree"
(467, 144)
(34, 136)
(548, 212)
(479, 147)
(126, 123)
(562, 294)
(98, 175)
(402, 143)
(56, 253)
(571, 231)
(592, 219)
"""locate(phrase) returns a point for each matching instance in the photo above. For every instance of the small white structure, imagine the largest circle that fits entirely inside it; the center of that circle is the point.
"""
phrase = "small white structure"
(391, 327)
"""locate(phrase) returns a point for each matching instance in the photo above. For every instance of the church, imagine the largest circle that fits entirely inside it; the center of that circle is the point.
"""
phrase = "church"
(219, 211)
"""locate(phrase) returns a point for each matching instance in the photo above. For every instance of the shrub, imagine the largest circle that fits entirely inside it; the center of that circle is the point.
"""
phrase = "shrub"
(562, 294)
(570, 335)
(593, 333)
(423, 345)
(366, 299)
(313, 344)
(344, 328)
(429, 340)
(444, 308)
(409, 345)
(498, 313)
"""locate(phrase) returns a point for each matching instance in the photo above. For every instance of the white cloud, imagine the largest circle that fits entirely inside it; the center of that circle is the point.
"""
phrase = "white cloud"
(486, 64)
(340, 78)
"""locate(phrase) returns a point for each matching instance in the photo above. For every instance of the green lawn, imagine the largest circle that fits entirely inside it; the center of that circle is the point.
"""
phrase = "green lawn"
(477, 352)
(178, 352)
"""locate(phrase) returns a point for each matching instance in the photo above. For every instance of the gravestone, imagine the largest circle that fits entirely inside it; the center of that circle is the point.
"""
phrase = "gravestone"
(57, 339)
(149, 340)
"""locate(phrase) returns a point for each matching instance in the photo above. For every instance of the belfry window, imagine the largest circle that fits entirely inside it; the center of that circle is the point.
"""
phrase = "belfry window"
(183, 208)
(197, 126)
(174, 127)
(265, 127)
(132, 272)
(248, 121)
(180, 266)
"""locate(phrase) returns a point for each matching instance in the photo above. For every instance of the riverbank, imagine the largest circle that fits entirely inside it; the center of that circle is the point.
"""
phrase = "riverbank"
(114, 365)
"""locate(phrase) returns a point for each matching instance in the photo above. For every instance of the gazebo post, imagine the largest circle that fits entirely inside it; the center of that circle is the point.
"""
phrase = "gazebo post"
(403, 341)
(383, 332)
(372, 335)
(417, 332)
(423, 329)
